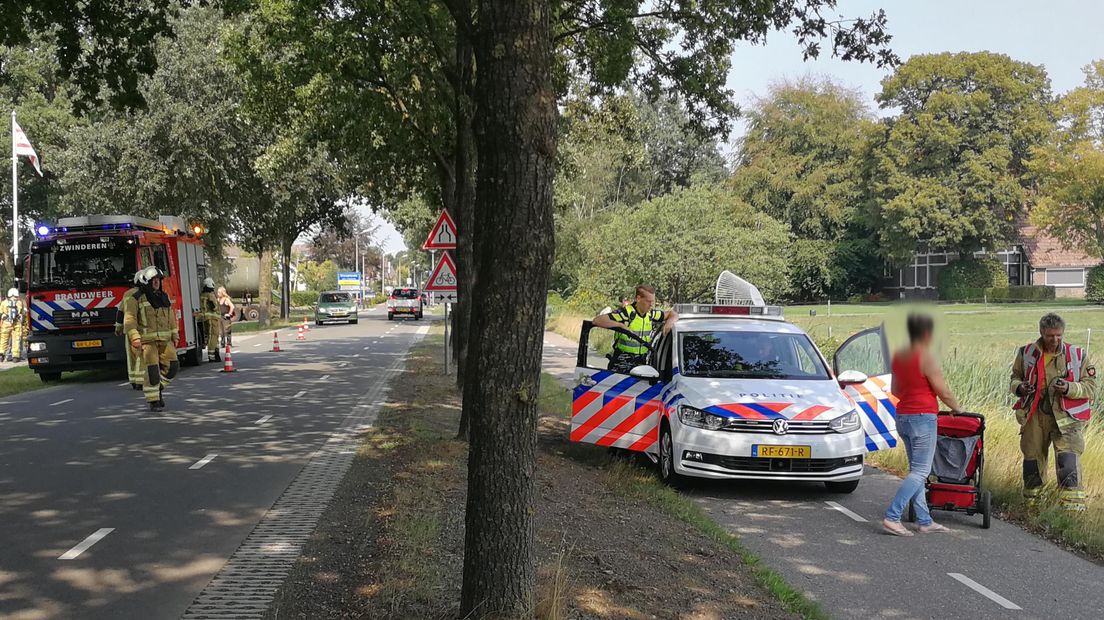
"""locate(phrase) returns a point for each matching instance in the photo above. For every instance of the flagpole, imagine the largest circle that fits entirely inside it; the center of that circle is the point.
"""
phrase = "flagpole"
(15, 199)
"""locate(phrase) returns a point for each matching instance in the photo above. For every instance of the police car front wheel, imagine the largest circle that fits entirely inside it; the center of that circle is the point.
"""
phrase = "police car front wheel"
(667, 471)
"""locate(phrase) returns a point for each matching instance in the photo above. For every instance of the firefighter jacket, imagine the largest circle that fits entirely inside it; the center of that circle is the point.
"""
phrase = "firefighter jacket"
(149, 316)
(1071, 363)
(209, 306)
(119, 310)
(12, 311)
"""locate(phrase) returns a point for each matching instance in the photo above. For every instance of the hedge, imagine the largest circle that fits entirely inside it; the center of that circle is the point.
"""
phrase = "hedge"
(302, 299)
(972, 273)
(999, 294)
(1094, 285)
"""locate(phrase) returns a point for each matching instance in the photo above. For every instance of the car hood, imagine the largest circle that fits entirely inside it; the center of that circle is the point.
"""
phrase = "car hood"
(344, 305)
(766, 398)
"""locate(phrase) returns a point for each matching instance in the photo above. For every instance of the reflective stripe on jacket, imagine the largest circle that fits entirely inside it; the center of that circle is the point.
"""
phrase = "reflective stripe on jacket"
(142, 320)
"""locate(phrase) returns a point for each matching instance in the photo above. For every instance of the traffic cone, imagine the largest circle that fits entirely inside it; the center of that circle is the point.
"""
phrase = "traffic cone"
(300, 335)
(276, 342)
(228, 364)
(306, 326)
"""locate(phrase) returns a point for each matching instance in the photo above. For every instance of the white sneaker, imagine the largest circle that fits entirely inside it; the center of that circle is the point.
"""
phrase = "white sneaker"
(895, 528)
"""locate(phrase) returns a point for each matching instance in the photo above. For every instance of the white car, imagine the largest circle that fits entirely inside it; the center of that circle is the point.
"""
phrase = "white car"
(736, 392)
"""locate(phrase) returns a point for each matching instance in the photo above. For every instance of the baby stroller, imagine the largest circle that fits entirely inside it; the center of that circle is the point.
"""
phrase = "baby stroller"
(955, 480)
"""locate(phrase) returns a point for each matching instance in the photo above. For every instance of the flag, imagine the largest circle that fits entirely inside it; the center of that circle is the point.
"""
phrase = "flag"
(22, 146)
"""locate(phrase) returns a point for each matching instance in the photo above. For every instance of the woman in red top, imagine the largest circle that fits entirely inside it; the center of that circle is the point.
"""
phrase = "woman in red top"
(917, 382)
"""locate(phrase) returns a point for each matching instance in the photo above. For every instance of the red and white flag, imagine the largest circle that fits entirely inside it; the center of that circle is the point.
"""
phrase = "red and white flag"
(22, 146)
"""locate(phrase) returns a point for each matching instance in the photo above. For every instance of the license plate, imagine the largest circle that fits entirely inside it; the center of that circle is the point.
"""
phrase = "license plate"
(87, 344)
(340, 314)
(782, 452)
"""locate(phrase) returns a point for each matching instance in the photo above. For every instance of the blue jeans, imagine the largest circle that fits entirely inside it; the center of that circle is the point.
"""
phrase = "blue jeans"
(918, 433)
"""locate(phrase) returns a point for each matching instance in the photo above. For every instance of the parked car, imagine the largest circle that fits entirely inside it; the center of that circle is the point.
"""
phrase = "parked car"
(335, 306)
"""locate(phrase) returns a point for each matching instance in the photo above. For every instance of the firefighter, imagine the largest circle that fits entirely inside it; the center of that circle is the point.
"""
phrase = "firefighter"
(151, 328)
(12, 314)
(135, 372)
(212, 318)
(637, 318)
(1054, 381)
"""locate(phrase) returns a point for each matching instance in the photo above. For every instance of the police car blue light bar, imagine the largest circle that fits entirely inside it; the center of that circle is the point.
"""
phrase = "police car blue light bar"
(728, 310)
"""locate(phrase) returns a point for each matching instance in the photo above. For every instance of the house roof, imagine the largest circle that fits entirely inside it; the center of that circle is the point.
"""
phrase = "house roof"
(1044, 251)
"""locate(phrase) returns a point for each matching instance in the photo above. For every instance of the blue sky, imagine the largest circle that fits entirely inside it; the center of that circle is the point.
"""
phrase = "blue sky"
(1061, 35)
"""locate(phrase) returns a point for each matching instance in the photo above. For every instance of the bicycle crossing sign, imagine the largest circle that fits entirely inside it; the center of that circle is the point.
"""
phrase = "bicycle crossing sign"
(443, 235)
(443, 278)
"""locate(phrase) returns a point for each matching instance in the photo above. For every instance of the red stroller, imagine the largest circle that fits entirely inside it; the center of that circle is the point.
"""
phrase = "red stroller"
(955, 480)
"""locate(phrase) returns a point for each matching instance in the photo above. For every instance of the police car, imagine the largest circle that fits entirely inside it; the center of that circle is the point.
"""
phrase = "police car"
(734, 391)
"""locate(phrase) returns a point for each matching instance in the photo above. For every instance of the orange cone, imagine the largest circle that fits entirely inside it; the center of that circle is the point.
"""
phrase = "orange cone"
(228, 364)
(276, 342)
(301, 335)
(306, 326)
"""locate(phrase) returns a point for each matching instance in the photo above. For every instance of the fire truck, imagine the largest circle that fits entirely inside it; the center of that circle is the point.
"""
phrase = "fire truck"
(77, 272)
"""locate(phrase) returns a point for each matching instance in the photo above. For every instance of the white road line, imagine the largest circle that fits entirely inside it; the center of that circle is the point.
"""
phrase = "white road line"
(84, 545)
(124, 384)
(61, 402)
(856, 517)
(299, 393)
(203, 461)
(324, 377)
(258, 344)
(354, 355)
(366, 348)
(263, 419)
(986, 592)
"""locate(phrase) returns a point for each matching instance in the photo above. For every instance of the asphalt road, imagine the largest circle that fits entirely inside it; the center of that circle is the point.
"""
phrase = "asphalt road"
(109, 511)
(831, 547)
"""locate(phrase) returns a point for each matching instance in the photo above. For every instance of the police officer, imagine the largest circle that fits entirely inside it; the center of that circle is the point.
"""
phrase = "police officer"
(135, 371)
(638, 318)
(1054, 381)
(12, 313)
(212, 317)
(151, 328)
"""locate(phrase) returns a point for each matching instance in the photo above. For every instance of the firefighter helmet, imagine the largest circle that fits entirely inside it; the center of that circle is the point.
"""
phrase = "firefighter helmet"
(147, 275)
(209, 283)
(13, 293)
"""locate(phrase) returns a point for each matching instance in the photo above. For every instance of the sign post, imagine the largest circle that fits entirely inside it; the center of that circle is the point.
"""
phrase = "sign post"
(442, 281)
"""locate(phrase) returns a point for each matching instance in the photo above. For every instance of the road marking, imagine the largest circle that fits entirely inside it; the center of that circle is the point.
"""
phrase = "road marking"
(356, 354)
(263, 419)
(366, 348)
(986, 592)
(324, 377)
(84, 545)
(299, 393)
(203, 461)
(61, 402)
(124, 384)
(258, 344)
(856, 517)
(423, 330)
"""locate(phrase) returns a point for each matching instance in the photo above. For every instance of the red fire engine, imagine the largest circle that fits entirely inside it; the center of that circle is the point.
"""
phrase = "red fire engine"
(77, 273)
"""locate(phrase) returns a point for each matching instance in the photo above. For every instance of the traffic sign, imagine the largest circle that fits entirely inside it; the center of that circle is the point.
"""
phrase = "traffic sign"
(443, 277)
(443, 235)
(445, 298)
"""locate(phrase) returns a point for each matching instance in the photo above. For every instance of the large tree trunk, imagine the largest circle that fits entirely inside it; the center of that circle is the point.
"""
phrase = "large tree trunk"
(516, 141)
(264, 287)
(464, 200)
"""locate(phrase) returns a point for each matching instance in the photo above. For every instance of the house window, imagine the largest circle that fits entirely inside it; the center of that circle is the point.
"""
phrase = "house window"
(1065, 277)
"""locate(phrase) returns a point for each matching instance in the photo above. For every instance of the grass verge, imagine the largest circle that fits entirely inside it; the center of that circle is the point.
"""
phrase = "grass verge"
(23, 379)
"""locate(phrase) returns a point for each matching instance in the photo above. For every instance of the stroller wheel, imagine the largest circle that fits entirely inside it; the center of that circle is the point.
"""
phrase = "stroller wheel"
(986, 501)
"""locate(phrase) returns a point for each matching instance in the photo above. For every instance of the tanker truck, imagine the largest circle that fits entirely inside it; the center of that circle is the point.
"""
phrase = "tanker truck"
(243, 283)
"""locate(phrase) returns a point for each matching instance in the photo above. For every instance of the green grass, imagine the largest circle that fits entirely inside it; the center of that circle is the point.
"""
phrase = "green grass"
(639, 484)
(23, 379)
(246, 327)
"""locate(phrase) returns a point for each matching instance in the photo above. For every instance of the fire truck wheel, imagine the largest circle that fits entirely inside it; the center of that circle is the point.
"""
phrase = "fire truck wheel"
(47, 377)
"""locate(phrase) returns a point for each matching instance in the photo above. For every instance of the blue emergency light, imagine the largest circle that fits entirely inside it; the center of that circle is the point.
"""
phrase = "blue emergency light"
(42, 230)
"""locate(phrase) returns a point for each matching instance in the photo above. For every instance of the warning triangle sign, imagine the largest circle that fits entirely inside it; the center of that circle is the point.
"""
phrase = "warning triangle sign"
(443, 235)
(444, 275)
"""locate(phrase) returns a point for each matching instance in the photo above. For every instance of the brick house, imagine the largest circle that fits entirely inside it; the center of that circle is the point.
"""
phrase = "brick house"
(1034, 258)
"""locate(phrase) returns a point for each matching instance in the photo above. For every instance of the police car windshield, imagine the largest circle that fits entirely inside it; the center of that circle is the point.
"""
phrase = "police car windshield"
(750, 355)
(72, 266)
(334, 298)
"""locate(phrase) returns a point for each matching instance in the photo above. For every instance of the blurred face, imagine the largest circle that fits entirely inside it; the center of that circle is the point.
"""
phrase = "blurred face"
(1052, 339)
(156, 284)
(644, 302)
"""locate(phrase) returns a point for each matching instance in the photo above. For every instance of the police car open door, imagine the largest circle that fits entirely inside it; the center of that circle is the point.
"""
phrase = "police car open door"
(867, 352)
(614, 409)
